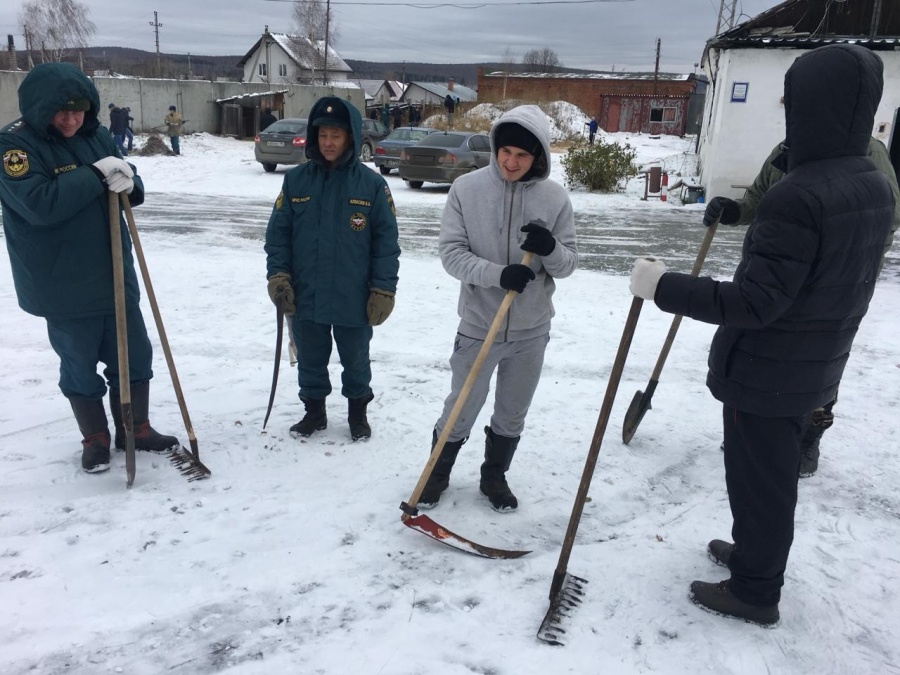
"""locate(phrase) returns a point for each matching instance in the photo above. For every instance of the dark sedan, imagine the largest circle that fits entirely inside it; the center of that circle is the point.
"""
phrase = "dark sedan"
(373, 132)
(387, 152)
(282, 142)
(443, 157)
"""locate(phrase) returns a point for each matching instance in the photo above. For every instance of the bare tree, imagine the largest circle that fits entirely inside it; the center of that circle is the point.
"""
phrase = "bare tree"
(56, 27)
(314, 27)
(541, 60)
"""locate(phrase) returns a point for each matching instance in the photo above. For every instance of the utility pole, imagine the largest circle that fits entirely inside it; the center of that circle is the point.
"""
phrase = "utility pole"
(190, 74)
(327, 19)
(656, 69)
(156, 26)
(726, 16)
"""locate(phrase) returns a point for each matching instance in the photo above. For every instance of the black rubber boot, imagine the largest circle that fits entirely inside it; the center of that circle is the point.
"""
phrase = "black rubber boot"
(146, 438)
(498, 454)
(356, 416)
(718, 599)
(809, 446)
(91, 418)
(314, 420)
(439, 479)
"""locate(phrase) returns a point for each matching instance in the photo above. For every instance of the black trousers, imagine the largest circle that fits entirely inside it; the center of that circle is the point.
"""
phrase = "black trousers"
(762, 458)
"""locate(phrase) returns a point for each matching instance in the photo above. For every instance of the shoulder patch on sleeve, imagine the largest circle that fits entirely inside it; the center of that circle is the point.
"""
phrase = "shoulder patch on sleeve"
(279, 200)
(15, 163)
(390, 198)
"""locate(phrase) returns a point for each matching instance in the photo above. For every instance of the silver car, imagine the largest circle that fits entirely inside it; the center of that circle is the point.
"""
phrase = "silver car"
(443, 157)
(387, 152)
(282, 142)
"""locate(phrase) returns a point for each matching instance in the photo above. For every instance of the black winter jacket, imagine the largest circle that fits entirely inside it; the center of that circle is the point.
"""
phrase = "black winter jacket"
(810, 258)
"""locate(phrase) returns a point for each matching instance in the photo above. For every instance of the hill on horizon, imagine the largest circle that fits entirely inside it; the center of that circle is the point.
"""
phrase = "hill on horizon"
(141, 63)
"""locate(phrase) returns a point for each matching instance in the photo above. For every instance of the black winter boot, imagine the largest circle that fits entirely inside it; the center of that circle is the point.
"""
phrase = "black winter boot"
(440, 474)
(720, 552)
(498, 454)
(718, 599)
(314, 420)
(356, 416)
(809, 446)
(91, 418)
(145, 437)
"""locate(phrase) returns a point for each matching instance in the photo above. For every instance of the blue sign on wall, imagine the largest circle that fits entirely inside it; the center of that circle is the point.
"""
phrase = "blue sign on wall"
(739, 92)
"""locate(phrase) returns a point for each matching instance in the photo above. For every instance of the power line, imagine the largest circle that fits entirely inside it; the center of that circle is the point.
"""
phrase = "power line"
(465, 5)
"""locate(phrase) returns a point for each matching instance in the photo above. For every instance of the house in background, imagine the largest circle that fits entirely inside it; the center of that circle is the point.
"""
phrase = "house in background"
(743, 117)
(292, 59)
(654, 103)
(430, 94)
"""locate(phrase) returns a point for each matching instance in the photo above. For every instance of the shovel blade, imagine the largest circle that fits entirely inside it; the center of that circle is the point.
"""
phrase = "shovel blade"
(425, 525)
(638, 407)
(562, 602)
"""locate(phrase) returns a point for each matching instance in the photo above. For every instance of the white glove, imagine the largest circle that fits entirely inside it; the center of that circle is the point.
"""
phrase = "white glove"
(117, 173)
(645, 277)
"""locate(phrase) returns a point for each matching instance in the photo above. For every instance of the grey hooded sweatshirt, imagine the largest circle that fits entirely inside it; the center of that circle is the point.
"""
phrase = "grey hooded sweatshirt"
(481, 234)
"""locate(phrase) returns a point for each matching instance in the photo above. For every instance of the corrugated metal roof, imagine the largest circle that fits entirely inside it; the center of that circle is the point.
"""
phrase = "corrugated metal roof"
(669, 77)
(286, 42)
(460, 91)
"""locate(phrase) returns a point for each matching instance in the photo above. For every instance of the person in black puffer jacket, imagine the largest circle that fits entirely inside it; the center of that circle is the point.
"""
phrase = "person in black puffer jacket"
(788, 318)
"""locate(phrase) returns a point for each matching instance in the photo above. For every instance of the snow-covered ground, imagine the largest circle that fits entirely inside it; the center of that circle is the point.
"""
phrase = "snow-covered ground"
(292, 558)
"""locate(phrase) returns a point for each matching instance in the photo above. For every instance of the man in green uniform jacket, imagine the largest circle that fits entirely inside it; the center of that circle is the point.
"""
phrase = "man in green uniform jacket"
(333, 257)
(58, 163)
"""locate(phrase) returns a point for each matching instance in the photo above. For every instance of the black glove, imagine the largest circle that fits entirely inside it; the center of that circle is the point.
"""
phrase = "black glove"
(726, 210)
(516, 277)
(539, 239)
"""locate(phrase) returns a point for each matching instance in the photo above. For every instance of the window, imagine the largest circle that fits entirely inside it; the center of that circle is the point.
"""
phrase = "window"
(262, 69)
(662, 114)
(282, 69)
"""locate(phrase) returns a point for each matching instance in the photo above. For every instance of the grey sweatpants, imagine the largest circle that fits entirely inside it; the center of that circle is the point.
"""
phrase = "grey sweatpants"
(518, 365)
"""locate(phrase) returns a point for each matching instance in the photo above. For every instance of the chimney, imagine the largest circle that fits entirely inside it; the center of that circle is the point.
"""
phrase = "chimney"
(11, 51)
(450, 84)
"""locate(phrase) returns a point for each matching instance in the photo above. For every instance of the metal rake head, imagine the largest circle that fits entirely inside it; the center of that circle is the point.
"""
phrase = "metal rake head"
(188, 465)
(562, 602)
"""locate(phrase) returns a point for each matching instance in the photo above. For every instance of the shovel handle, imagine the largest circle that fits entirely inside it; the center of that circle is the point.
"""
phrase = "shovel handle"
(409, 507)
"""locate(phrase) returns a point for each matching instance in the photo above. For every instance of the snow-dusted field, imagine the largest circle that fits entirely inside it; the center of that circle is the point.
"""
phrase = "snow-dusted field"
(292, 557)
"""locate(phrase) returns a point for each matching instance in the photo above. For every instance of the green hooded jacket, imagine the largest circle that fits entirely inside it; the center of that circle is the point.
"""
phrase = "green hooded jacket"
(334, 229)
(55, 207)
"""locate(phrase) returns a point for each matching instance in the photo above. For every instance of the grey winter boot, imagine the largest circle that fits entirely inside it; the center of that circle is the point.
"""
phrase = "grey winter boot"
(356, 417)
(439, 479)
(720, 552)
(718, 599)
(314, 420)
(91, 418)
(498, 454)
(809, 446)
(145, 437)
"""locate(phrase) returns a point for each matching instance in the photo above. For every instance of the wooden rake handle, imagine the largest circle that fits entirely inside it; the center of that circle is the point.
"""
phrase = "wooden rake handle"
(464, 392)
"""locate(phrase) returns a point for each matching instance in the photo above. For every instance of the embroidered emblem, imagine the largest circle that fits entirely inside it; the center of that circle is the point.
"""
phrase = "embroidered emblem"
(15, 163)
(63, 169)
(278, 201)
(300, 200)
(390, 198)
(358, 221)
(359, 202)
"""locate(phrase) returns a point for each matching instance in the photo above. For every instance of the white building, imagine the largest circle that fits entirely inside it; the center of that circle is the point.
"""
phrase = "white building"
(743, 118)
(291, 59)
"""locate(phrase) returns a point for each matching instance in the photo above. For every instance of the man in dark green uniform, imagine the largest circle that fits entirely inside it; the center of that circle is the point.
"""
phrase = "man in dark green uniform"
(333, 256)
(58, 163)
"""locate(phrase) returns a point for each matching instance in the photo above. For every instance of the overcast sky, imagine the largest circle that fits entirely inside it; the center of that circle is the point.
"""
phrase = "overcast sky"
(593, 35)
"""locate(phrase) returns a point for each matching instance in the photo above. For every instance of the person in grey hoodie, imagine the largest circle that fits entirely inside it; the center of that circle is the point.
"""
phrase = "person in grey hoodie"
(491, 216)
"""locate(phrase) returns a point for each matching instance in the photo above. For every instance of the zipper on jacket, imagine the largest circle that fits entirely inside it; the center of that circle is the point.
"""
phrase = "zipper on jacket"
(512, 199)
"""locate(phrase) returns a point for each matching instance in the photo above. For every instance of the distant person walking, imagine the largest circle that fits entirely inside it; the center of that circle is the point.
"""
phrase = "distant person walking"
(174, 124)
(266, 119)
(450, 105)
(397, 116)
(386, 114)
(129, 132)
(118, 119)
(592, 130)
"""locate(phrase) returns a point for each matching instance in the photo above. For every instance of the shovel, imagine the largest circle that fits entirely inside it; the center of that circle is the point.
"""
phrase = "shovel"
(115, 237)
(640, 403)
(422, 523)
(566, 589)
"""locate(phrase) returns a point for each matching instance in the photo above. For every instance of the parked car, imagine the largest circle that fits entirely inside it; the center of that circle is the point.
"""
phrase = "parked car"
(373, 131)
(387, 152)
(282, 142)
(443, 157)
